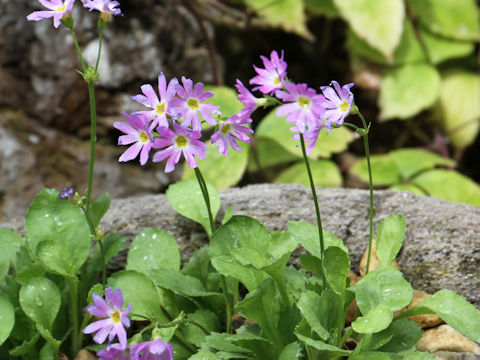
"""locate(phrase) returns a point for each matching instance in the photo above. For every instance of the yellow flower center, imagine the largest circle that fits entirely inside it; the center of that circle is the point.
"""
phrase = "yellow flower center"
(344, 106)
(181, 141)
(160, 109)
(61, 8)
(192, 104)
(276, 81)
(304, 102)
(116, 316)
(226, 128)
(144, 137)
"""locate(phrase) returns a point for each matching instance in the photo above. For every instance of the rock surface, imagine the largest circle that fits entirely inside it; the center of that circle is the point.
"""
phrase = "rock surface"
(441, 249)
(446, 338)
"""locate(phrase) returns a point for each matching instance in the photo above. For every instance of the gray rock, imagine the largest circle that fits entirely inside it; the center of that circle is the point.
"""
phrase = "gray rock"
(441, 248)
(450, 355)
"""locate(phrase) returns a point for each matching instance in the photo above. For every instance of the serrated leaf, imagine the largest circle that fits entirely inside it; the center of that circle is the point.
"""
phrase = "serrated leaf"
(389, 238)
(277, 129)
(220, 171)
(460, 108)
(25, 347)
(153, 249)
(384, 170)
(380, 22)
(204, 355)
(449, 185)
(324, 347)
(7, 316)
(324, 172)
(407, 90)
(377, 319)
(40, 300)
(411, 161)
(186, 198)
(457, 19)
(288, 15)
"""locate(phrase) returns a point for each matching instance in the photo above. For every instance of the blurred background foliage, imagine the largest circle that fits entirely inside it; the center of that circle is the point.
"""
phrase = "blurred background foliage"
(416, 68)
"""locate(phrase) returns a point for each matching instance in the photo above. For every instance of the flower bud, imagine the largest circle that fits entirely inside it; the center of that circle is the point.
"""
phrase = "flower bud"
(67, 20)
(90, 75)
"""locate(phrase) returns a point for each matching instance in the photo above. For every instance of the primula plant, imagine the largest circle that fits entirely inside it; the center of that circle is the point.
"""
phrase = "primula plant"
(56, 297)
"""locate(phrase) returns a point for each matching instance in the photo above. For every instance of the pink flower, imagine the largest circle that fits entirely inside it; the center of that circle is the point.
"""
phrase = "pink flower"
(152, 350)
(229, 131)
(160, 107)
(114, 352)
(104, 6)
(310, 137)
(248, 99)
(304, 106)
(191, 104)
(115, 318)
(138, 134)
(181, 140)
(270, 78)
(337, 104)
(57, 9)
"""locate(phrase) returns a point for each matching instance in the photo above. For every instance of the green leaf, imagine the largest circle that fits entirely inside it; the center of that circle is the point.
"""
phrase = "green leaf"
(441, 49)
(454, 309)
(225, 98)
(449, 185)
(139, 291)
(112, 245)
(306, 234)
(186, 198)
(322, 7)
(411, 161)
(47, 352)
(40, 300)
(7, 317)
(59, 221)
(308, 304)
(97, 289)
(277, 129)
(336, 264)
(325, 348)
(216, 164)
(47, 335)
(408, 187)
(204, 355)
(198, 264)
(26, 347)
(208, 319)
(261, 306)
(267, 152)
(377, 319)
(407, 90)
(10, 243)
(291, 351)
(385, 286)
(460, 108)
(179, 283)
(219, 342)
(324, 172)
(457, 19)
(99, 208)
(56, 258)
(405, 333)
(389, 238)
(153, 249)
(384, 170)
(289, 15)
(380, 23)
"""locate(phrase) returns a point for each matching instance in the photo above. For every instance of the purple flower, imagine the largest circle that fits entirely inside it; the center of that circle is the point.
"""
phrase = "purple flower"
(337, 103)
(104, 6)
(191, 103)
(181, 140)
(160, 107)
(248, 99)
(57, 9)
(138, 134)
(304, 106)
(114, 317)
(114, 352)
(310, 137)
(66, 192)
(229, 131)
(270, 78)
(152, 350)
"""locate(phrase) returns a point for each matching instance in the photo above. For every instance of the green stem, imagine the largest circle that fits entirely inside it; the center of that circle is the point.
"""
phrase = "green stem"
(226, 297)
(100, 38)
(315, 200)
(370, 183)
(93, 139)
(79, 51)
(73, 286)
(100, 243)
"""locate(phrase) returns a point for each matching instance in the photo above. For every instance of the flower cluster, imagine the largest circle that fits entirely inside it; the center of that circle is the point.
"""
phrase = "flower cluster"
(172, 124)
(113, 322)
(60, 9)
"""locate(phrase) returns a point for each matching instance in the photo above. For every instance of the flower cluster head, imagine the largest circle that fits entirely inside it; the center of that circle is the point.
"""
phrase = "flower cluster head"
(65, 193)
(114, 319)
(57, 9)
(230, 131)
(270, 78)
